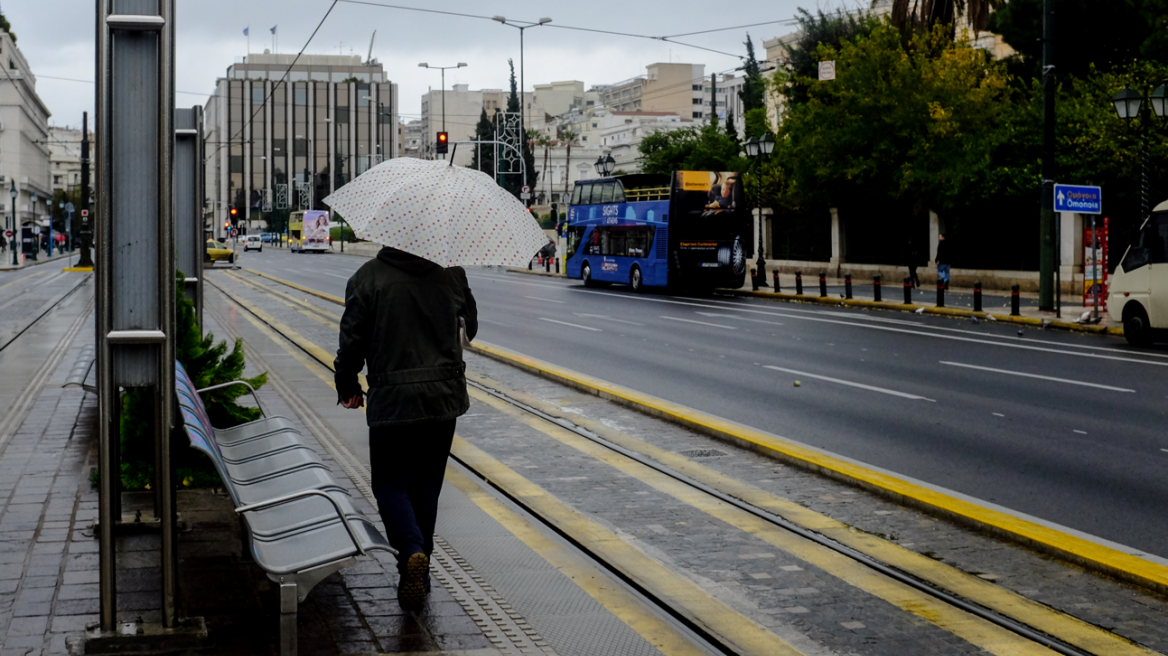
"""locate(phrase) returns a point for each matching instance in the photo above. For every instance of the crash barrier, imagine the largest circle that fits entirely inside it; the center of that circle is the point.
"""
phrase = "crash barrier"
(977, 296)
(301, 524)
(1015, 311)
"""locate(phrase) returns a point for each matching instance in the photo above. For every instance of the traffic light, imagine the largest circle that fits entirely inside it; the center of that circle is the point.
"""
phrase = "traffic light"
(443, 143)
(234, 214)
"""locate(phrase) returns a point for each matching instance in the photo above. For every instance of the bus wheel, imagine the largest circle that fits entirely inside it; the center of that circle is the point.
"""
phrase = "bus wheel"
(1136, 329)
(635, 280)
(586, 274)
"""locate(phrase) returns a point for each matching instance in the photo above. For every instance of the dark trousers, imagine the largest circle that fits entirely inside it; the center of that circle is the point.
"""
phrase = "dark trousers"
(408, 465)
(912, 275)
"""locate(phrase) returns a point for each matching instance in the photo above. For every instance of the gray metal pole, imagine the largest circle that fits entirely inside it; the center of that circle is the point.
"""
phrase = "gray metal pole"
(1047, 224)
(1095, 268)
(522, 116)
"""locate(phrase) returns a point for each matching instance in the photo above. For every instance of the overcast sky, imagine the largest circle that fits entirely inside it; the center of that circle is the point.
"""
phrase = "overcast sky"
(56, 36)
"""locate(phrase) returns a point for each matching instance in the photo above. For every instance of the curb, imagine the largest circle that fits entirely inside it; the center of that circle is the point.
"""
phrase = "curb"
(328, 297)
(928, 309)
(1079, 551)
(543, 274)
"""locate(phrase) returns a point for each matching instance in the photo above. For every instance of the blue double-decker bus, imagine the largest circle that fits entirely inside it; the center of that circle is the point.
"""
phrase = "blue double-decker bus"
(686, 230)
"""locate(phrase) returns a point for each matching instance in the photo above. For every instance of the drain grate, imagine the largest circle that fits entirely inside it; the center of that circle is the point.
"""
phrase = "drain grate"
(703, 453)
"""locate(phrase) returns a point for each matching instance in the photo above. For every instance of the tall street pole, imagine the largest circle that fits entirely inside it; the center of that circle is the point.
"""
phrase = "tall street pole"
(1047, 245)
(86, 220)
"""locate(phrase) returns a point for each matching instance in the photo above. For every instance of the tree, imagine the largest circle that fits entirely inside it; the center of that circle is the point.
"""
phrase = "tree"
(546, 142)
(484, 131)
(705, 148)
(1125, 31)
(514, 182)
(7, 27)
(801, 61)
(753, 92)
(922, 15)
(568, 138)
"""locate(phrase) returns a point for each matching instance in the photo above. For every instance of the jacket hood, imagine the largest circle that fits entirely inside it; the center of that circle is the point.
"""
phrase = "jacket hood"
(407, 262)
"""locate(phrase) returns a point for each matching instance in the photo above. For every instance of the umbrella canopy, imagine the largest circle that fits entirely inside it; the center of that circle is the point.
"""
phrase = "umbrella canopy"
(449, 215)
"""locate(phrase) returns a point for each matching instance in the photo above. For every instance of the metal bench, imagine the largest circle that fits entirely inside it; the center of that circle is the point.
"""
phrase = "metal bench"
(301, 525)
(82, 374)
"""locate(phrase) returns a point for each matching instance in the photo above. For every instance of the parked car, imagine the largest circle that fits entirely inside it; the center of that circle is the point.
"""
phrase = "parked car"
(267, 238)
(251, 242)
(217, 251)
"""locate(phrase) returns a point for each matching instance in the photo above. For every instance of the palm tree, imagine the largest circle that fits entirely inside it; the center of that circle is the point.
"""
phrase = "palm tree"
(568, 138)
(917, 15)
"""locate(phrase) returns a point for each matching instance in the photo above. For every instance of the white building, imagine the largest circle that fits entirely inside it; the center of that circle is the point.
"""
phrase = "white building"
(65, 157)
(24, 138)
(413, 140)
(459, 108)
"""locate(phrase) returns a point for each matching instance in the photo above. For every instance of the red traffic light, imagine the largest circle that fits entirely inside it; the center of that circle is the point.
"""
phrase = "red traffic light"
(443, 143)
(234, 211)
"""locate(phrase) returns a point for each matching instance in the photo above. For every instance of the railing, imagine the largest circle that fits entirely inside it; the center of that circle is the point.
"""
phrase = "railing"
(646, 193)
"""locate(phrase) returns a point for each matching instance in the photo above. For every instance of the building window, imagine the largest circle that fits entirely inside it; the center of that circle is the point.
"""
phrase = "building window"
(257, 95)
(237, 164)
(301, 97)
(342, 114)
(697, 114)
(697, 101)
(56, 179)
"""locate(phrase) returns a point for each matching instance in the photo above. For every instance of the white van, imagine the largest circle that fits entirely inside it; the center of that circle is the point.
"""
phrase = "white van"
(1139, 287)
(253, 241)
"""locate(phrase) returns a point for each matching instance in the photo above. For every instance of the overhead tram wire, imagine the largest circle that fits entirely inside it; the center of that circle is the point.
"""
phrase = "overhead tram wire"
(73, 79)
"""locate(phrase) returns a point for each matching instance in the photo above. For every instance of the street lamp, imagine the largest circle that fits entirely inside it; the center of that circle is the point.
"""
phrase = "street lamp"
(522, 83)
(605, 165)
(443, 69)
(12, 241)
(756, 149)
(1130, 104)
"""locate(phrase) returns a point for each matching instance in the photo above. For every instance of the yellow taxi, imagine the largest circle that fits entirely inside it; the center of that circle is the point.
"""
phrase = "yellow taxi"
(218, 251)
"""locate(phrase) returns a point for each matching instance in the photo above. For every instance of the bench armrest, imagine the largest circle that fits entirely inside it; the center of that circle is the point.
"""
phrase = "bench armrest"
(246, 384)
(300, 495)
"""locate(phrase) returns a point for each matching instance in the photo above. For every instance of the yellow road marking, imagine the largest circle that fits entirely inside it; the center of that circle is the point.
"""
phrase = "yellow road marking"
(585, 574)
(972, 629)
(700, 607)
(624, 605)
(1075, 549)
(31, 275)
(992, 596)
(309, 310)
(328, 297)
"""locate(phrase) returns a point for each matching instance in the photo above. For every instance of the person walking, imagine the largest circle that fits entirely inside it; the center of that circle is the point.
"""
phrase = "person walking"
(402, 321)
(912, 258)
(943, 260)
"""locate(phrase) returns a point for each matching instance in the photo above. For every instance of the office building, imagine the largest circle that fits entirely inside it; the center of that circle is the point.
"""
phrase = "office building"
(24, 139)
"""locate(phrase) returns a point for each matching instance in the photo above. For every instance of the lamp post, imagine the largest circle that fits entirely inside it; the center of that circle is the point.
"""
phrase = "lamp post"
(443, 69)
(15, 227)
(1131, 104)
(756, 149)
(36, 246)
(522, 84)
(69, 209)
(605, 165)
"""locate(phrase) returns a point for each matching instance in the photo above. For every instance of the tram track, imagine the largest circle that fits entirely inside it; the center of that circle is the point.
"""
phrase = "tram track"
(11, 335)
(1053, 630)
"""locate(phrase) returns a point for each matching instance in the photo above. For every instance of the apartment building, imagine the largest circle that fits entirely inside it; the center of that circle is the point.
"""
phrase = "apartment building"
(24, 139)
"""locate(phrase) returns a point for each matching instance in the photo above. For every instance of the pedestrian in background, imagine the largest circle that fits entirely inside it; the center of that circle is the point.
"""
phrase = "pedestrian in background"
(912, 258)
(943, 261)
(402, 321)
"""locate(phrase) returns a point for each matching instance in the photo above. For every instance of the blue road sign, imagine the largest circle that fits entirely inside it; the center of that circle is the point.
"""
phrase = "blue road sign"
(1073, 198)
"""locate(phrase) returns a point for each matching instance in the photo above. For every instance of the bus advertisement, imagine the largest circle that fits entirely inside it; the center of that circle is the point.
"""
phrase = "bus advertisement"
(685, 230)
(308, 231)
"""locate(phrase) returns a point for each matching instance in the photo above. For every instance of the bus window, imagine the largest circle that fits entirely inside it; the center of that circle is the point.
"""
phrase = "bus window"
(618, 194)
(637, 243)
(576, 194)
(607, 191)
(574, 236)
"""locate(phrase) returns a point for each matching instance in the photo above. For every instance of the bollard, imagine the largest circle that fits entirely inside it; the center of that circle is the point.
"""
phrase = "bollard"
(754, 280)
(823, 284)
(1014, 301)
(940, 293)
(876, 287)
(547, 265)
(908, 291)
(557, 265)
(798, 283)
(775, 277)
(977, 296)
(529, 267)
(848, 286)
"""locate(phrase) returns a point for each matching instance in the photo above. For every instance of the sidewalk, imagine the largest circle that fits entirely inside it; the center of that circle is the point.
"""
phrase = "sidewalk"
(42, 258)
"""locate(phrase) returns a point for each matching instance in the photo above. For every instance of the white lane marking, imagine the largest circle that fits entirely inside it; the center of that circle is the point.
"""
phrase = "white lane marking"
(565, 323)
(998, 414)
(700, 323)
(495, 323)
(1050, 378)
(1081, 432)
(1164, 450)
(545, 300)
(333, 275)
(607, 318)
(719, 316)
(851, 384)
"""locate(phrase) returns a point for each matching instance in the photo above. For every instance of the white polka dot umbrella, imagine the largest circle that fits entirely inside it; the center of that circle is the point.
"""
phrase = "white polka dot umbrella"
(450, 215)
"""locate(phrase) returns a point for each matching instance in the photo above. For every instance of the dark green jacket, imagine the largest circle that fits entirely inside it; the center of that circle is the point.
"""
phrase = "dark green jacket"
(401, 321)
